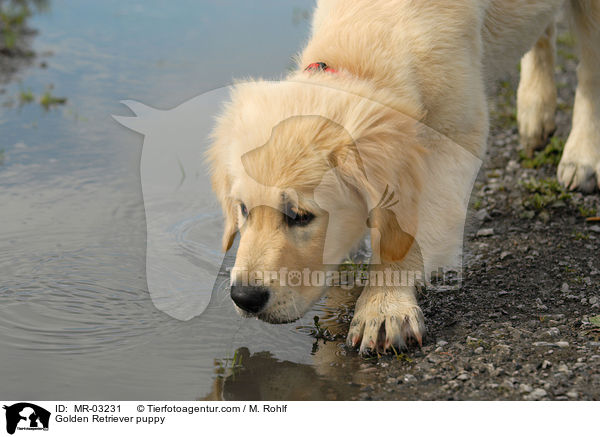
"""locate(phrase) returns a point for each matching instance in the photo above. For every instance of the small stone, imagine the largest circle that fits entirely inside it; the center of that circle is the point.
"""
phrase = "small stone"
(536, 394)
(540, 305)
(553, 332)
(462, 377)
(593, 300)
(434, 359)
(594, 229)
(478, 350)
(572, 394)
(505, 255)
(546, 364)
(485, 232)
(482, 215)
(408, 378)
(562, 343)
(525, 388)
(565, 287)
(528, 215)
(453, 384)
(441, 343)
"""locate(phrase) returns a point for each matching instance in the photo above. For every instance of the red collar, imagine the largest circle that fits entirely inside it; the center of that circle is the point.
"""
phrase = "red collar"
(320, 66)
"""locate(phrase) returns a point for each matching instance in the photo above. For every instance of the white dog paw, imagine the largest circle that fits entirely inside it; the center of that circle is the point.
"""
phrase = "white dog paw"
(579, 167)
(536, 125)
(578, 176)
(381, 323)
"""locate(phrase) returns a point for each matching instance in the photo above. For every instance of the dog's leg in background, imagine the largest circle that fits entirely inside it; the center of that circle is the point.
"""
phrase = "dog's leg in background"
(579, 167)
(536, 96)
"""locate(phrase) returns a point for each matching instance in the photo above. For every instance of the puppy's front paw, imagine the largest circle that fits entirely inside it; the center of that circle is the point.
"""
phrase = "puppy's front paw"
(383, 319)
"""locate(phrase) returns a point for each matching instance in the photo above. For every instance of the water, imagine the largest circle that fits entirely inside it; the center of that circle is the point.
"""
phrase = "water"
(76, 318)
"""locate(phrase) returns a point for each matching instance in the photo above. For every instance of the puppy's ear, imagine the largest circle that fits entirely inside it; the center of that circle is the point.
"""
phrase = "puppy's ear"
(385, 164)
(221, 184)
(230, 224)
(394, 239)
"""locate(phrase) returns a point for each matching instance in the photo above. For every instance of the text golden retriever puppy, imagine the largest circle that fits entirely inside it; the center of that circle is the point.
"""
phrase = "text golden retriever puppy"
(381, 129)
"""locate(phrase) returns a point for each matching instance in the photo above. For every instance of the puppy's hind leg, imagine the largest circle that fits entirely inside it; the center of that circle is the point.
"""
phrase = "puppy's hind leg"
(536, 96)
(579, 168)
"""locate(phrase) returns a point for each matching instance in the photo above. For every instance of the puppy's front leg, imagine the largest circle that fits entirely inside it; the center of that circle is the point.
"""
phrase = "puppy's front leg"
(386, 314)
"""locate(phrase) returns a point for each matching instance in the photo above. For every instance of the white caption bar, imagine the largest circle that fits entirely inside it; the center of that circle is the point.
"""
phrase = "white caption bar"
(160, 418)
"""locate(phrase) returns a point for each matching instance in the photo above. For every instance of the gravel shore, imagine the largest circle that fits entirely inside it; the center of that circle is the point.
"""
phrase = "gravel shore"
(522, 326)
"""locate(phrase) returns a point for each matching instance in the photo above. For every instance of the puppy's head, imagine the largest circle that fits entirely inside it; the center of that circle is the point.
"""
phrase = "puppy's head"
(302, 171)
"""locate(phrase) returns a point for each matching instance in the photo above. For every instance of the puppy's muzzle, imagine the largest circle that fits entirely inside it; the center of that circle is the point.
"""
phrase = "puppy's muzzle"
(250, 299)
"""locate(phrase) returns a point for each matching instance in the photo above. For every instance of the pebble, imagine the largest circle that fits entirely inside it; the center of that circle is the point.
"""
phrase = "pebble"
(572, 394)
(485, 232)
(546, 364)
(408, 378)
(565, 287)
(478, 350)
(593, 300)
(441, 343)
(536, 394)
(453, 385)
(553, 332)
(540, 305)
(525, 388)
(544, 216)
(482, 215)
(542, 343)
(562, 343)
(462, 377)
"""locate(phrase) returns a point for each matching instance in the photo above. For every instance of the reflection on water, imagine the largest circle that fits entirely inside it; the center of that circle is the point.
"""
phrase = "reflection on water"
(331, 374)
(262, 377)
(16, 34)
(76, 318)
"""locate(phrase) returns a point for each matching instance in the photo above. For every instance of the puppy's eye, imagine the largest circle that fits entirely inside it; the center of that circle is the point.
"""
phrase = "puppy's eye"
(297, 217)
(243, 209)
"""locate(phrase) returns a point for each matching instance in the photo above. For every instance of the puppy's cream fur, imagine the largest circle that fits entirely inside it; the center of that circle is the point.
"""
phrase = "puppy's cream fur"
(408, 109)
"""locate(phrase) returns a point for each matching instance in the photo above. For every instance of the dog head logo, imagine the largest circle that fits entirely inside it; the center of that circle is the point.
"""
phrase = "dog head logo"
(183, 255)
(26, 416)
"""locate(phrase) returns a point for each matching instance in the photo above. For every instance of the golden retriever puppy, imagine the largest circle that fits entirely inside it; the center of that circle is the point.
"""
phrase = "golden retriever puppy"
(381, 130)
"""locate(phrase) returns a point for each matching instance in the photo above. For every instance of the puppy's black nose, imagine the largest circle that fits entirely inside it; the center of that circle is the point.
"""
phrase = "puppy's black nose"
(251, 299)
